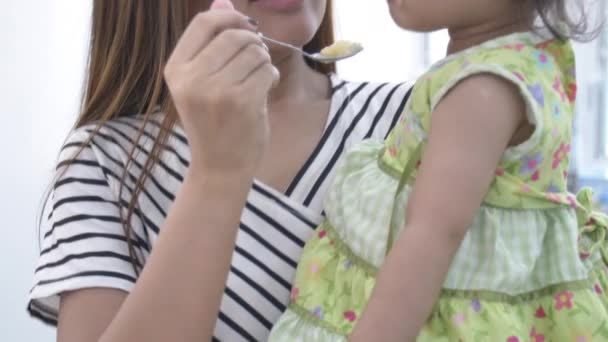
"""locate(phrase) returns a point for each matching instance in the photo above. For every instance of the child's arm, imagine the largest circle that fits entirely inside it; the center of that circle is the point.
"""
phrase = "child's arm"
(471, 128)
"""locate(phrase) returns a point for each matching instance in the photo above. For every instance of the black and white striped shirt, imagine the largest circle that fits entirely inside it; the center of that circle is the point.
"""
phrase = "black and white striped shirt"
(84, 244)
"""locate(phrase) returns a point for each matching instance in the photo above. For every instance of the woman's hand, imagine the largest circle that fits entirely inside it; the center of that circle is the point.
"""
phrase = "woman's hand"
(219, 76)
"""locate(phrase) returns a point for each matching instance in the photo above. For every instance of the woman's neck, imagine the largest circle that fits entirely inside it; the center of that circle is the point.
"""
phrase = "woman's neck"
(466, 37)
(298, 81)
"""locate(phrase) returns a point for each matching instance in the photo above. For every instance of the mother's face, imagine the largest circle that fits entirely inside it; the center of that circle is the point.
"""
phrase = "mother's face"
(292, 21)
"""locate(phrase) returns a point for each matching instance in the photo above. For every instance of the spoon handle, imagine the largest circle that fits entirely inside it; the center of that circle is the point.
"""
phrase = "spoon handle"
(289, 46)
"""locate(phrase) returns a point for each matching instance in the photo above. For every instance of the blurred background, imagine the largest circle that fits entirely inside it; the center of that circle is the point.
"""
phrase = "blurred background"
(44, 44)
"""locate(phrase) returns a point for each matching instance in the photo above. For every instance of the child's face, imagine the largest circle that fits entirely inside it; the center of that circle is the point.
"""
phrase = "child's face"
(431, 15)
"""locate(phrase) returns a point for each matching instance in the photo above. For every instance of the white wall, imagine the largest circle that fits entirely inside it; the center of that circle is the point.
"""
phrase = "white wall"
(41, 67)
(390, 53)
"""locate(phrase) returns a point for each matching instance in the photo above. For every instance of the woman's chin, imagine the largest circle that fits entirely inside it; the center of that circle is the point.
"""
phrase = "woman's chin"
(291, 21)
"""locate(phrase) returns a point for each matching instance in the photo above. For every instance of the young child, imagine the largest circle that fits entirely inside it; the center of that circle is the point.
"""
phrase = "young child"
(469, 195)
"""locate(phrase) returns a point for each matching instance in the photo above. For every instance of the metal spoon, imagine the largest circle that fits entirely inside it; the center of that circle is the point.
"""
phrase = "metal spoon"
(318, 57)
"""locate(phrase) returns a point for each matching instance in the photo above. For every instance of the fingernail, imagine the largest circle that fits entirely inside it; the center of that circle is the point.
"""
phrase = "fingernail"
(253, 21)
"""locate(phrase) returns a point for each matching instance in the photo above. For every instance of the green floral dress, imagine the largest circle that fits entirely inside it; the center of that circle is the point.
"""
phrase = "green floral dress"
(532, 266)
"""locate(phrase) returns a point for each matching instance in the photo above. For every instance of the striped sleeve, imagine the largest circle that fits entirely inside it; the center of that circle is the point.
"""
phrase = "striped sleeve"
(83, 241)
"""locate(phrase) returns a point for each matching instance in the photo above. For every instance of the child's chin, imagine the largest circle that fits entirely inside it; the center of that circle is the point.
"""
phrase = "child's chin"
(406, 17)
(412, 24)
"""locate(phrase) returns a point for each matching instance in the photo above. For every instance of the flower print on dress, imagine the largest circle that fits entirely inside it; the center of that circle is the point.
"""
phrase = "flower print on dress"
(572, 92)
(540, 313)
(294, 293)
(536, 337)
(392, 151)
(553, 197)
(517, 46)
(350, 316)
(459, 319)
(314, 268)
(476, 305)
(318, 312)
(563, 300)
(557, 86)
(537, 93)
(556, 109)
(560, 154)
(598, 289)
(553, 189)
(584, 338)
(531, 163)
(542, 60)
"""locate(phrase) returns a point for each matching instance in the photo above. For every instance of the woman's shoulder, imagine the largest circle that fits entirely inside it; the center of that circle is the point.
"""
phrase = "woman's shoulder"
(125, 130)
(111, 144)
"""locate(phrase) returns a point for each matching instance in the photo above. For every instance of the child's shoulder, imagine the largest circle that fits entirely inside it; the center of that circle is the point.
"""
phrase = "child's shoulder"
(521, 58)
(515, 51)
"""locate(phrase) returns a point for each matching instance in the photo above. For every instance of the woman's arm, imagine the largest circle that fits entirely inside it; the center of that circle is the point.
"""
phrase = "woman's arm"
(177, 296)
(219, 76)
(471, 128)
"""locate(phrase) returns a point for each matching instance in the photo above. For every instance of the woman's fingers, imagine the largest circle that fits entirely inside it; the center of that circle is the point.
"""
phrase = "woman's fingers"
(203, 29)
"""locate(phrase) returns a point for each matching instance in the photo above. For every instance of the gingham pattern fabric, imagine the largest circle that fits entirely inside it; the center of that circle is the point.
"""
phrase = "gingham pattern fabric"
(507, 251)
(358, 215)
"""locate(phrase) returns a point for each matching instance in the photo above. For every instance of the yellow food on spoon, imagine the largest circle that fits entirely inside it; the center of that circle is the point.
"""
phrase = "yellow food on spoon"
(340, 48)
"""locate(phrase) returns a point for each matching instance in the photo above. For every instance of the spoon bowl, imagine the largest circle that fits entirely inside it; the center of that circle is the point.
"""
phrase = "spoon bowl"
(318, 56)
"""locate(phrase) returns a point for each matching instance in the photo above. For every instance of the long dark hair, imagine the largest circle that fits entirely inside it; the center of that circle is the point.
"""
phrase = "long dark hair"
(131, 40)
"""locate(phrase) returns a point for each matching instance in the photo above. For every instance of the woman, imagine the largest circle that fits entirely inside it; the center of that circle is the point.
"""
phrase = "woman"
(218, 219)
